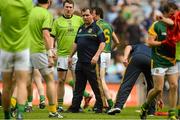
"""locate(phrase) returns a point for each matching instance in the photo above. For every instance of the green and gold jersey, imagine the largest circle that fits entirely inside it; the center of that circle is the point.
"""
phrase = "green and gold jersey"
(178, 51)
(64, 30)
(107, 29)
(14, 22)
(39, 19)
(160, 54)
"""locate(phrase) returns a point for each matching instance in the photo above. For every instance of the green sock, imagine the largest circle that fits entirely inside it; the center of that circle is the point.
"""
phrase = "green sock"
(86, 94)
(20, 108)
(172, 112)
(26, 104)
(7, 114)
(110, 102)
(42, 98)
(30, 98)
(71, 83)
(60, 101)
(145, 105)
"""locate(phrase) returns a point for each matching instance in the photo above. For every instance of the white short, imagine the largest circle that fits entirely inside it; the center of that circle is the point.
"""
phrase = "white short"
(165, 71)
(10, 61)
(40, 61)
(105, 60)
(62, 62)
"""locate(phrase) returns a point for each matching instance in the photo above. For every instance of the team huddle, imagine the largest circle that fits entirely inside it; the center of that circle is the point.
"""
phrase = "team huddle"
(32, 43)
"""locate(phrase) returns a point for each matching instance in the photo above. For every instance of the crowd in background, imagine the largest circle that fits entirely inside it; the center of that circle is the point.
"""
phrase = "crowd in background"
(130, 19)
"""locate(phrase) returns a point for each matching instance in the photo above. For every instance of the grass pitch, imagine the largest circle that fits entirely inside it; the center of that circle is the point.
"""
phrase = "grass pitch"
(127, 114)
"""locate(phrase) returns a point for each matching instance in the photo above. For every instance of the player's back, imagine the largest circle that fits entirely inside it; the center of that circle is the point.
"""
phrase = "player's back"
(39, 19)
(15, 32)
(107, 29)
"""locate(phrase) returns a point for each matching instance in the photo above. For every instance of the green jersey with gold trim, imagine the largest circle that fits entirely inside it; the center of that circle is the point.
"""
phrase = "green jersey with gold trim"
(161, 55)
(107, 29)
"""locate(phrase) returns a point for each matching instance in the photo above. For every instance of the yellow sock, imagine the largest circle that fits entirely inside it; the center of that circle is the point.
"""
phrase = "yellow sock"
(13, 102)
(52, 108)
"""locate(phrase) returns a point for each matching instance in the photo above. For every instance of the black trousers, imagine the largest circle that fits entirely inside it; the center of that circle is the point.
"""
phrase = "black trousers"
(138, 64)
(84, 72)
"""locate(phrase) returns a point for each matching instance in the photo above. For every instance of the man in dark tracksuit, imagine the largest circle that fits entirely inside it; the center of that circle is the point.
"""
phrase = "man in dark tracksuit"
(89, 44)
(140, 61)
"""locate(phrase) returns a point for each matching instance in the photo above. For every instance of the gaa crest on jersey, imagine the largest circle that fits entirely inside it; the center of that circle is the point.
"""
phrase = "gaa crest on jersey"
(90, 30)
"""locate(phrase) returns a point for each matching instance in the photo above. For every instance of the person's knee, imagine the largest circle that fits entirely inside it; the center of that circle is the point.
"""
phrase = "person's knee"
(61, 81)
(173, 86)
(158, 90)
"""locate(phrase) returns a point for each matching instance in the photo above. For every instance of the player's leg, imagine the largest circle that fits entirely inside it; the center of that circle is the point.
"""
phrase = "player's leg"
(38, 81)
(149, 82)
(40, 61)
(28, 107)
(48, 76)
(172, 75)
(105, 62)
(6, 66)
(21, 68)
(14, 99)
(158, 80)
(62, 68)
(6, 93)
(105, 88)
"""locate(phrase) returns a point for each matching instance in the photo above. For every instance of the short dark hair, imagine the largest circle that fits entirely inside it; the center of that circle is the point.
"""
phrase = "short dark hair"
(43, 1)
(99, 11)
(168, 6)
(84, 10)
(68, 1)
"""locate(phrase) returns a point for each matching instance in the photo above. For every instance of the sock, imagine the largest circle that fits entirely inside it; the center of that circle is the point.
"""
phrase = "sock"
(172, 112)
(7, 114)
(26, 104)
(71, 83)
(30, 99)
(42, 98)
(30, 104)
(52, 108)
(60, 101)
(86, 94)
(110, 102)
(13, 102)
(145, 105)
(178, 112)
(20, 108)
